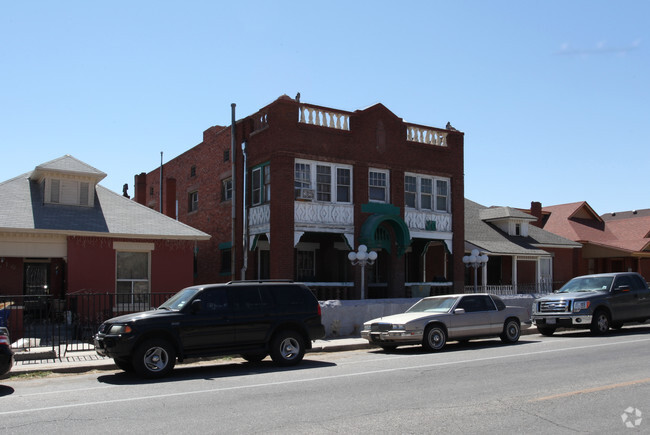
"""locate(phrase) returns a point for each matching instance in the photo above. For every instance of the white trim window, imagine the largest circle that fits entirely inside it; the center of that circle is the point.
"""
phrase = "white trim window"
(261, 184)
(378, 184)
(132, 278)
(193, 201)
(426, 193)
(323, 182)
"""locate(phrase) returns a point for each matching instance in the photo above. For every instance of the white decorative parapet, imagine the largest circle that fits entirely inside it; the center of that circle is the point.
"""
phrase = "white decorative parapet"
(427, 221)
(324, 117)
(415, 133)
(259, 219)
(260, 120)
(315, 213)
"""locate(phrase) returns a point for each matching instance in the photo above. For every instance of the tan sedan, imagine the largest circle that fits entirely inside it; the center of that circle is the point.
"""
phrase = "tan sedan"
(434, 320)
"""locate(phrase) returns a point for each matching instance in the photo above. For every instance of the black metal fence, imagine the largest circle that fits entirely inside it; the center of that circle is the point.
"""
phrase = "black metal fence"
(64, 325)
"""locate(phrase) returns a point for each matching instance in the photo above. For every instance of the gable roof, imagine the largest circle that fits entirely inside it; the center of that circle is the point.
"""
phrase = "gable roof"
(67, 165)
(24, 210)
(479, 232)
(627, 231)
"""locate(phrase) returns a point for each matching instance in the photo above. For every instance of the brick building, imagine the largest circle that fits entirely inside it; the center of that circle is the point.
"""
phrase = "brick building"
(320, 182)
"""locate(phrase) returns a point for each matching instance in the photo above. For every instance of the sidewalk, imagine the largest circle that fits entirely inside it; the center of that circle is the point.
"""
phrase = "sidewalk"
(85, 361)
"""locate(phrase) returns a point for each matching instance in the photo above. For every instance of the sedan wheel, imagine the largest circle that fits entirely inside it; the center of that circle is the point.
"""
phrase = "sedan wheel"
(434, 338)
(511, 331)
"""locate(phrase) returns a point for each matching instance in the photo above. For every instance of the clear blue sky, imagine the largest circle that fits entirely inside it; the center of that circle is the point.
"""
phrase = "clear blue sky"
(553, 97)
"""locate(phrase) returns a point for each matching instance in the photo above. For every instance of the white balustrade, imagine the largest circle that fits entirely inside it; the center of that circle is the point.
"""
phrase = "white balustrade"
(417, 220)
(324, 118)
(426, 135)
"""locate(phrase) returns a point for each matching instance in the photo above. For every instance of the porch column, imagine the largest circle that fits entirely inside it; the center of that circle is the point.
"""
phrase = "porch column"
(514, 273)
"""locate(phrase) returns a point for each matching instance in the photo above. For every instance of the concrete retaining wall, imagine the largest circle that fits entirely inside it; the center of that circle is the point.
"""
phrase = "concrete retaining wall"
(345, 318)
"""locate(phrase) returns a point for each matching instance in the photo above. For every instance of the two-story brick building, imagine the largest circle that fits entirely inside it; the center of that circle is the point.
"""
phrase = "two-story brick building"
(313, 183)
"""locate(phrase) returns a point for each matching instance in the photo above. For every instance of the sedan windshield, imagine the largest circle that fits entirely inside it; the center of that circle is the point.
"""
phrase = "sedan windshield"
(179, 300)
(587, 284)
(434, 305)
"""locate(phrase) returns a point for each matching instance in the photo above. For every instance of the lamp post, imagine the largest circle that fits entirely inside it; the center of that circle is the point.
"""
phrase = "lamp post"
(361, 258)
(475, 260)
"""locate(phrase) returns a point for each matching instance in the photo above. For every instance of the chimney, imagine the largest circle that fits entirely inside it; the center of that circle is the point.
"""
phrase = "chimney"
(140, 189)
(169, 207)
(536, 210)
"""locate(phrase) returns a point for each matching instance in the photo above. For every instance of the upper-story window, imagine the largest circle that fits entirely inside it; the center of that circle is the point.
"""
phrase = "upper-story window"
(226, 189)
(68, 192)
(193, 201)
(426, 193)
(193, 171)
(261, 184)
(323, 182)
(378, 185)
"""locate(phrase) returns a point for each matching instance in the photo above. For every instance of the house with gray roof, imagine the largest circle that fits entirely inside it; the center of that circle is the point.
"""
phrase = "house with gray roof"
(62, 233)
(521, 257)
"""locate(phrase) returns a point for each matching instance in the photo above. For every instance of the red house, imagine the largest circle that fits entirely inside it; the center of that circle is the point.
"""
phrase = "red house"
(298, 187)
(61, 233)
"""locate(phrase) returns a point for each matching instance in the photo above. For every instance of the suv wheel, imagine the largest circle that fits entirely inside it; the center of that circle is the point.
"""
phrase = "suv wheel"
(511, 331)
(287, 348)
(154, 358)
(600, 322)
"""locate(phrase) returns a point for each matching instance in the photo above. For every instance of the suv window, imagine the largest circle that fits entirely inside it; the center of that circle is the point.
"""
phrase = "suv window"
(249, 298)
(214, 300)
(289, 295)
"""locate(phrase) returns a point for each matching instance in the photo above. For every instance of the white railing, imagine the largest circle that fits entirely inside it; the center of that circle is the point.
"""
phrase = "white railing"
(318, 213)
(418, 220)
(416, 133)
(324, 117)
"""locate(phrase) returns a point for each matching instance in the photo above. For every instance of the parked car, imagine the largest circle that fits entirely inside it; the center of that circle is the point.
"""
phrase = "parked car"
(6, 353)
(597, 302)
(252, 319)
(434, 320)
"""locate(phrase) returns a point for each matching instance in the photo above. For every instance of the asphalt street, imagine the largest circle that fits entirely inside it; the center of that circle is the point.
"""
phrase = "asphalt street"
(571, 382)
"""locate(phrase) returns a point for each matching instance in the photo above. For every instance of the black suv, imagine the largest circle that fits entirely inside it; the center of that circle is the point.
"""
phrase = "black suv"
(252, 319)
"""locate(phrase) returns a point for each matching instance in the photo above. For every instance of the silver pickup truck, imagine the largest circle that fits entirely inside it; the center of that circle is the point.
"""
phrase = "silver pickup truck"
(597, 302)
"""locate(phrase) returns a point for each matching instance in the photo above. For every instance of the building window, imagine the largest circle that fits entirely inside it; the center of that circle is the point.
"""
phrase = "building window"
(261, 184)
(132, 284)
(193, 201)
(378, 185)
(442, 195)
(419, 193)
(226, 190)
(151, 192)
(226, 155)
(343, 180)
(319, 181)
(323, 183)
(225, 261)
(193, 171)
(305, 265)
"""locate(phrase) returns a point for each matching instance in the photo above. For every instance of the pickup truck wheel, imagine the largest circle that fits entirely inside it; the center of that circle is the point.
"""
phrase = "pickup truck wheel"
(546, 330)
(154, 358)
(287, 348)
(434, 338)
(511, 331)
(600, 322)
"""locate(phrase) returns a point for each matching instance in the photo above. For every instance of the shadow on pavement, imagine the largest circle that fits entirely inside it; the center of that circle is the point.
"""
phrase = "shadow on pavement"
(182, 373)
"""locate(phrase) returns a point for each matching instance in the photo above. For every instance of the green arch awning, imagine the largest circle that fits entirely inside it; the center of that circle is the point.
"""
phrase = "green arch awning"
(373, 237)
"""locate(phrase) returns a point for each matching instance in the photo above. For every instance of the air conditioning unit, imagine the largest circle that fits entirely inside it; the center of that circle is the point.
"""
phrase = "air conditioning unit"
(306, 194)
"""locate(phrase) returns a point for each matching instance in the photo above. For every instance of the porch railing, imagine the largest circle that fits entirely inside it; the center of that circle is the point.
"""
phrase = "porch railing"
(510, 289)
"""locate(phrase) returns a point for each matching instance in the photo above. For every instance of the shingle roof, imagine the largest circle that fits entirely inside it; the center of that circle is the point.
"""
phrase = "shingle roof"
(23, 209)
(488, 237)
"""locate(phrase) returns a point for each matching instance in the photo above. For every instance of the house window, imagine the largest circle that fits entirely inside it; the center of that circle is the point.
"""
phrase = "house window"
(442, 195)
(55, 191)
(193, 171)
(320, 181)
(83, 193)
(132, 283)
(193, 201)
(305, 265)
(517, 229)
(323, 183)
(343, 185)
(226, 190)
(426, 193)
(378, 185)
(261, 184)
(410, 191)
